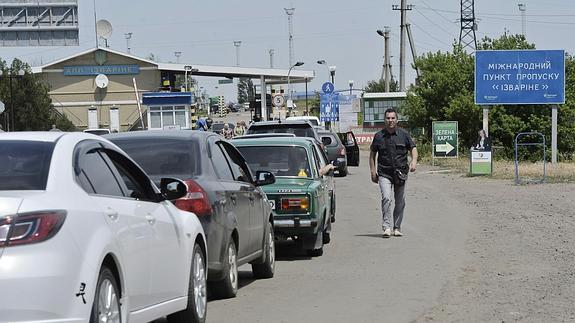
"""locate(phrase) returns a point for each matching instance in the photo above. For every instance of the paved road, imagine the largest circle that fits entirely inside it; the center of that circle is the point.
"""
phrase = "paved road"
(361, 277)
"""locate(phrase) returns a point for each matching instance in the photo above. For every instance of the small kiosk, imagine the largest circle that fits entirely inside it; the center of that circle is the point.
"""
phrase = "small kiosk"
(168, 110)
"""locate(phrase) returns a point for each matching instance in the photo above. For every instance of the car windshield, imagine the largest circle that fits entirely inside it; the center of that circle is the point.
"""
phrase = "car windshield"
(24, 165)
(303, 130)
(163, 157)
(280, 160)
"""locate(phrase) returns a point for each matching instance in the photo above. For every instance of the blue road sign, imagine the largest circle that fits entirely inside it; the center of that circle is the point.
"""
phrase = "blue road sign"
(327, 87)
(329, 107)
(519, 77)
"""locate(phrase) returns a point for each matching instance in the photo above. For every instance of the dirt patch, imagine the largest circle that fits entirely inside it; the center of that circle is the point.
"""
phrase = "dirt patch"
(522, 249)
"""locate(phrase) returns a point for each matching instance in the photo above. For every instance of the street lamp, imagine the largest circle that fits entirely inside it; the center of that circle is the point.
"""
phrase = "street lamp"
(350, 86)
(187, 69)
(9, 118)
(290, 92)
(332, 73)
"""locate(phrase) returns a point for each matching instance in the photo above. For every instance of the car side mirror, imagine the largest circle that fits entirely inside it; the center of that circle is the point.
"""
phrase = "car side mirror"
(264, 178)
(172, 188)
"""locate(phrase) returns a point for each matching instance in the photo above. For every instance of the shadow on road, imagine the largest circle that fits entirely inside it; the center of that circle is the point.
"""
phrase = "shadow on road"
(290, 251)
(370, 235)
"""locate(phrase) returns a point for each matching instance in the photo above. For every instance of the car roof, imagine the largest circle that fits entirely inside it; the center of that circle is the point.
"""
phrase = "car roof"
(280, 122)
(169, 134)
(271, 141)
(264, 135)
(47, 136)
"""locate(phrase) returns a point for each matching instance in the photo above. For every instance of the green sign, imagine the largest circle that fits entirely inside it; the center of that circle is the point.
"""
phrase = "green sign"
(445, 140)
(225, 81)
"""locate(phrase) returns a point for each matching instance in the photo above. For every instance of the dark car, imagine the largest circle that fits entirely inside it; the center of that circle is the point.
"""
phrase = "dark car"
(235, 213)
(338, 152)
(300, 128)
(335, 150)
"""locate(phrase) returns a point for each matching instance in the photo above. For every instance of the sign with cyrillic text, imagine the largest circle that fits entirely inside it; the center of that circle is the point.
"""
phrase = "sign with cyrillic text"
(519, 77)
(445, 138)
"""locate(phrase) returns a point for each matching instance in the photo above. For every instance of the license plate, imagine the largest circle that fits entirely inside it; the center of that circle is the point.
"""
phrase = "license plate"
(273, 204)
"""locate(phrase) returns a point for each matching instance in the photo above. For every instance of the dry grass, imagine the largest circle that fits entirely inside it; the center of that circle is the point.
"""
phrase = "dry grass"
(560, 172)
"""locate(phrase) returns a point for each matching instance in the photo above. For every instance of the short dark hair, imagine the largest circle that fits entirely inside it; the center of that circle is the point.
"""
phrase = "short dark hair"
(390, 110)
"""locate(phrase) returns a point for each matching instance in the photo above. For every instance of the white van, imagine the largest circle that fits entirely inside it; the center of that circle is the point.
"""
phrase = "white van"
(312, 119)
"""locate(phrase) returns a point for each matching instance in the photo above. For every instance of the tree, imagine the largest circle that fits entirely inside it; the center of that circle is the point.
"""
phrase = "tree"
(245, 90)
(445, 91)
(379, 86)
(33, 109)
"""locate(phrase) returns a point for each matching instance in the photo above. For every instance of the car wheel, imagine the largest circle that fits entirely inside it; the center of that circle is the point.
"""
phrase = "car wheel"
(342, 172)
(197, 292)
(266, 269)
(326, 237)
(319, 251)
(228, 287)
(106, 306)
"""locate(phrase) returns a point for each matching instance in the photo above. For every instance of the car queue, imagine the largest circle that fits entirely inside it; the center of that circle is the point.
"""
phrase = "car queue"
(140, 225)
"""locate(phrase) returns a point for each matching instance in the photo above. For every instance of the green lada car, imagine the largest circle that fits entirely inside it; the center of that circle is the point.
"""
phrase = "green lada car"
(302, 199)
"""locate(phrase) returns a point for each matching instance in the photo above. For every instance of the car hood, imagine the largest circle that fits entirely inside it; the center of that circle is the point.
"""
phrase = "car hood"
(288, 185)
(8, 206)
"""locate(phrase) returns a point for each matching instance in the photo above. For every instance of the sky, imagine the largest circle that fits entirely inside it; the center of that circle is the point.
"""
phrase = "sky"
(343, 33)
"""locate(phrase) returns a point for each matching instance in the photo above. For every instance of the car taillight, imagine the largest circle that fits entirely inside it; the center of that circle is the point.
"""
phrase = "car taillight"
(341, 151)
(295, 203)
(195, 201)
(34, 227)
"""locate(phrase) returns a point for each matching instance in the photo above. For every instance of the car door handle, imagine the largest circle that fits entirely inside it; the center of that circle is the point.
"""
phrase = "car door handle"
(112, 214)
(151, 220)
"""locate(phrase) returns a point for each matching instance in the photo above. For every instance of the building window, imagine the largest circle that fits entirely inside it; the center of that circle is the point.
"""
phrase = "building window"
(168, 115)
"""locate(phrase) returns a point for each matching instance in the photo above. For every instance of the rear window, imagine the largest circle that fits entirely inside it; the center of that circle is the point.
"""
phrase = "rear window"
(24, 165)
(331, 139)
(289, 161)
(300, 130)
(163, 157)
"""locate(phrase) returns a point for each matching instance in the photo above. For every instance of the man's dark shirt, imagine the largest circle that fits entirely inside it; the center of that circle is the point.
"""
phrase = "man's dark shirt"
(402, 142)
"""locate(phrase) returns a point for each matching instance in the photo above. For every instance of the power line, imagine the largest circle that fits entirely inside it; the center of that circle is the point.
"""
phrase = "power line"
(436, 11)
(435, 24)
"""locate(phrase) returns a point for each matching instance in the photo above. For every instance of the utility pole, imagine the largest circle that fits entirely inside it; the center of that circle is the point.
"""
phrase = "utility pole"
(237, 43)
(412, 46)
(128, 37)
(271, 51)
(289, 13)
(468, 26)
(404, 7)
(387, 67)
(522, 9)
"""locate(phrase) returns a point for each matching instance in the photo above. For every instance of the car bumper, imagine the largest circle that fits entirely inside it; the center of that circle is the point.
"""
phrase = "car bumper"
(42, 286)
(295, 223)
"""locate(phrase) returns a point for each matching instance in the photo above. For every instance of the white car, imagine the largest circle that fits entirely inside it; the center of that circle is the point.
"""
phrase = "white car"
(312, 119)
(85, 236)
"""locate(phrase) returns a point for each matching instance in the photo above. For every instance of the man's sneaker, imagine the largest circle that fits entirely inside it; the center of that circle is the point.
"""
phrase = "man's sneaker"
(387, 233)
(397, 233)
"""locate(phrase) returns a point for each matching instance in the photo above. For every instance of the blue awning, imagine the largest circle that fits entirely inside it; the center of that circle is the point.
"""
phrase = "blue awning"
(167, 98)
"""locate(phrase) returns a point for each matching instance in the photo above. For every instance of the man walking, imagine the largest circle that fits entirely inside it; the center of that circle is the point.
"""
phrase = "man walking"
(391, 145)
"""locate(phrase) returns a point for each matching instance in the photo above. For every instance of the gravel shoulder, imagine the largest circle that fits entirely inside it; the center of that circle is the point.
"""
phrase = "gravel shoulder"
(521, 253)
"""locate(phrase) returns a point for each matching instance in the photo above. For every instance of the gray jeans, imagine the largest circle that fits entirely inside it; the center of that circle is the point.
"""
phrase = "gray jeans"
(386, 188)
